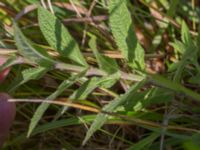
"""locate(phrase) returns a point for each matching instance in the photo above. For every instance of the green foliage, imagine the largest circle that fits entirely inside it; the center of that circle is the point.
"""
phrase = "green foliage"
(29, 74)
(90, 85)
(44, 106)
(59, 37)
(188, 50)
(89, 71)
(185, 35)
(101, 118)
(189, 145)
(38, 56)
(174, 86)
(124, 34)
(107, 64)
(12, 60)
(145, 142)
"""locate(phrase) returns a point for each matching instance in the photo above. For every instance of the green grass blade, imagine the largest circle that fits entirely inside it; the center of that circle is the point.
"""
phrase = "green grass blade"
(63, 123)
(53, 125)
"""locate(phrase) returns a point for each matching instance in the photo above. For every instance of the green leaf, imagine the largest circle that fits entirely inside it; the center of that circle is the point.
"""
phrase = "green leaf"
(29, 74)
(109, 81)
(173, 7)
(185, 34)
(33, 1)
(124, 34)
(12, 60)
(144, 142)
(85, 89)
(59, 37)
(198, 41)
(161, 81)
(107, 64)
(196, 138)
(147, 98)
(195, 79)
(178, 46)
(92, 84)
(158, 96)
(102, 118)
(25, 47)
(189, 145)
(136, 104)
(33, 73)
(44, 106)
(188, 50)
(189, 56)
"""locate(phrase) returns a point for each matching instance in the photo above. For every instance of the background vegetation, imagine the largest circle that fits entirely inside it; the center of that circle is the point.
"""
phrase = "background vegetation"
(102, 74)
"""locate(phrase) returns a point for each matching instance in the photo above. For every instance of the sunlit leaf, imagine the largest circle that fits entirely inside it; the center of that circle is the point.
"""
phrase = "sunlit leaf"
(59, 37)
(123, 31)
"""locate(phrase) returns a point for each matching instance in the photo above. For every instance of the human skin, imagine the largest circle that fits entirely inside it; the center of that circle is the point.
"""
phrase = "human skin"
(7, 115)
(7, 109)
